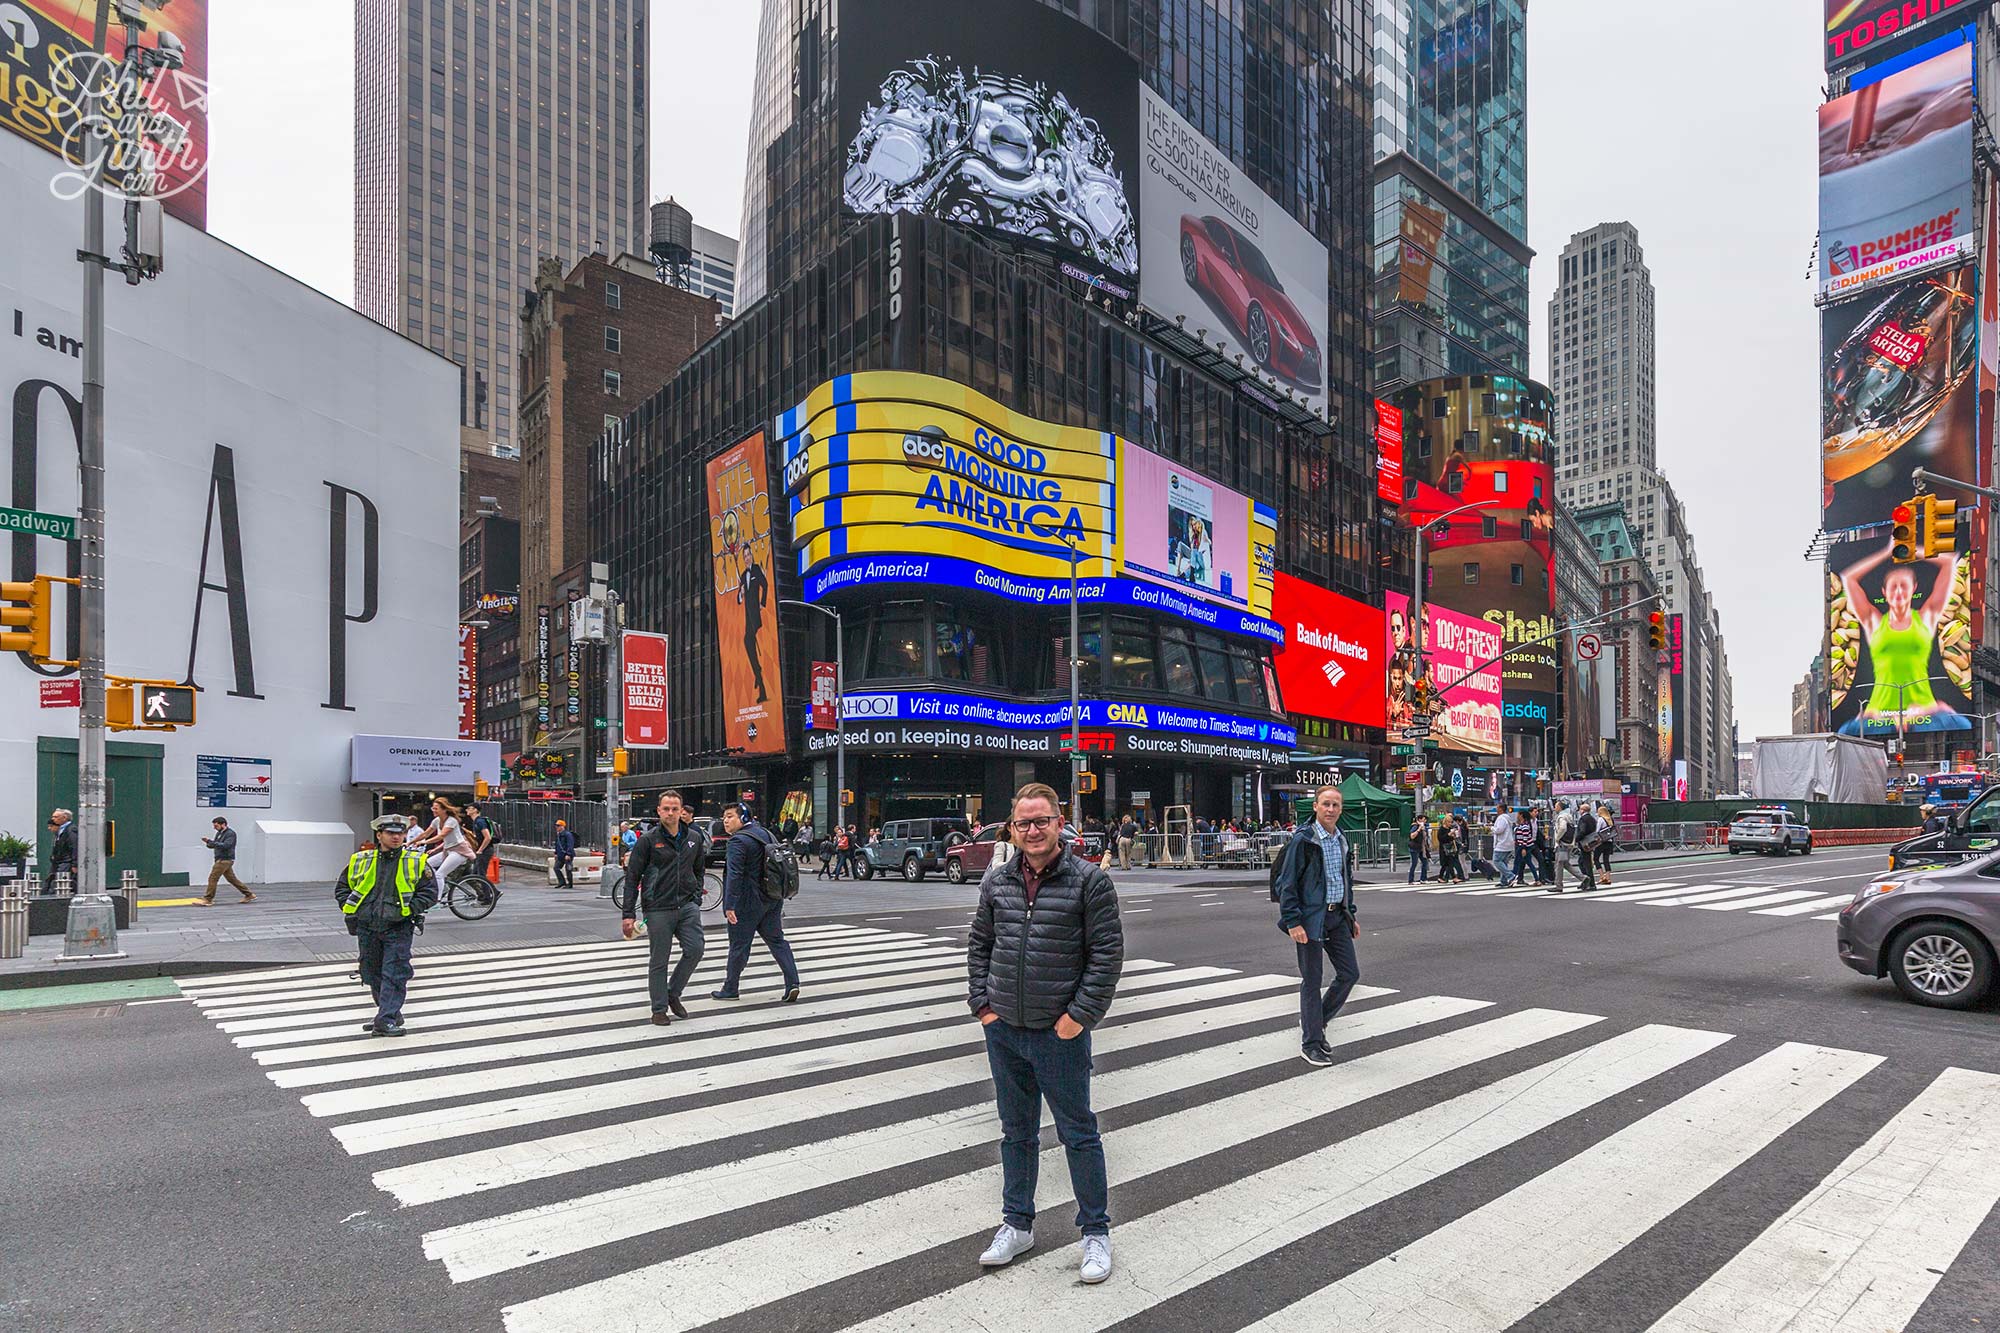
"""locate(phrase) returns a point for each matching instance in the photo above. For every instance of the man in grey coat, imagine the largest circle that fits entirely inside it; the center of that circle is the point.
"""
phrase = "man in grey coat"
(1044, 955)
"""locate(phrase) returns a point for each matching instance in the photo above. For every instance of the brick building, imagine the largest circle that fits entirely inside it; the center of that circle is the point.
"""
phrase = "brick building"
(594, 344)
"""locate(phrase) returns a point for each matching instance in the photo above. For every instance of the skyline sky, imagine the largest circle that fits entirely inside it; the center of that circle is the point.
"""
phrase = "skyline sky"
(1709, 153)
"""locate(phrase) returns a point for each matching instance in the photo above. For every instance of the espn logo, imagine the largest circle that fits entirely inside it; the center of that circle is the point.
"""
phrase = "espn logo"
(1334, 671)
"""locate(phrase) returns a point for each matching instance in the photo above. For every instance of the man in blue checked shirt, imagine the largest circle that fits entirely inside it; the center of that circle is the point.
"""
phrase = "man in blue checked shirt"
(1314, 890)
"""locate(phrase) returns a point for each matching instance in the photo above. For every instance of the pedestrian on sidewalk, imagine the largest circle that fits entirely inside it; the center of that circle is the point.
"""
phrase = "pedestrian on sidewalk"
(1525, 834)
(1044, 956)
(384, 893)
(1420, 849)
(1314, 889)
(1128, 829)
(1450, 869)
(565, 856)
(663, 880)
(1607, 843)
(745, 906)
(62, 849)
(223, 844)
(1585, 831)
(1566, 849)
(484, 838)
(1503, 846)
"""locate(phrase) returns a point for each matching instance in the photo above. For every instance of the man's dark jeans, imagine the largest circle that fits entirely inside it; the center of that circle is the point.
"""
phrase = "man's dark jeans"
(385, 966)
(1315, 1010)
(1029, 1066)
(665, 979)
(767, 919)
(565, 873)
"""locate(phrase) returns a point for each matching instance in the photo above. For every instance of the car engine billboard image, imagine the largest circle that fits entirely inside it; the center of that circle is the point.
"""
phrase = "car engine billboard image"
(1225, 257)
(1008, 117)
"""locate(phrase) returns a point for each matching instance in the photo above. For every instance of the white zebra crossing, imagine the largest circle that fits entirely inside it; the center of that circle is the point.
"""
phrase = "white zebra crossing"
(1205, 1068)
(1770, 899)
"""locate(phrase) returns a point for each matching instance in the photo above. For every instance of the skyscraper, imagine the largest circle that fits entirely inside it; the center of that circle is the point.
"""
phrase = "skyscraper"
(1601, 363)
(489, 134)
(1450, 292)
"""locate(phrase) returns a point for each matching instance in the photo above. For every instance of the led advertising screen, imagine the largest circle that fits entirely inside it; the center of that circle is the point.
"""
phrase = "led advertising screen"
(1853, 26)
(894, 478)
(746, 598)
(1469, 718)
(1006, 116)
(1895, 175)
(1450, 55)
(1219, 252)
(1388, 453)
(44, 55)
(1333, 663)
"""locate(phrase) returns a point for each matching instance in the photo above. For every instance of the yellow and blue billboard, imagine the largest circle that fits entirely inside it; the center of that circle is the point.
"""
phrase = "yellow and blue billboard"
(897, 478)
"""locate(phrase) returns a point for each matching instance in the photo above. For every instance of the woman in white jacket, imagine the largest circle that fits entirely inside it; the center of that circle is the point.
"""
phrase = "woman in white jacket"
(446, 841)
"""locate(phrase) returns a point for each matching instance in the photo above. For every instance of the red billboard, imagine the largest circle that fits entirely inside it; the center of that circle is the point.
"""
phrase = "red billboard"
(645, 690)
(1332, 664)
(44, 55)
(825, 680)
(468, 682)
(1388, 452)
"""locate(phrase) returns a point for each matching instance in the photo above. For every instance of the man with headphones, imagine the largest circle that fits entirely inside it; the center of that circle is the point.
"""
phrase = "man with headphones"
(745, 907)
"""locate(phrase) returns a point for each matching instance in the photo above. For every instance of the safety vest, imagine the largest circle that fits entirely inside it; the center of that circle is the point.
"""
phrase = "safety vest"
(361, 879)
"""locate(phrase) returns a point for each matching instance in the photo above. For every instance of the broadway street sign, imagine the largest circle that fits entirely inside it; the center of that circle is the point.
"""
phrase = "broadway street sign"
(34, 522)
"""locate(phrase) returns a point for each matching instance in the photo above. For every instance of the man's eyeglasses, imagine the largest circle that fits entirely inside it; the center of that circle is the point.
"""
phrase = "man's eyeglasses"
(1035, 825)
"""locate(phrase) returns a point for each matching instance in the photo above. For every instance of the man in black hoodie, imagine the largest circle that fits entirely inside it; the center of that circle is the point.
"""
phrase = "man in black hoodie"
(663, 880)
(1044, 955)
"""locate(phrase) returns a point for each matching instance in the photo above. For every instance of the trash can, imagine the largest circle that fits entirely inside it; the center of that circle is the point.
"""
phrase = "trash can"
(13, 920)
(93, 929)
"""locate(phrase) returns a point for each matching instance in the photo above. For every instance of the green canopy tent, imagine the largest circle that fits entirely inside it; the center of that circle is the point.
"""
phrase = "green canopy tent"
(1366, 806)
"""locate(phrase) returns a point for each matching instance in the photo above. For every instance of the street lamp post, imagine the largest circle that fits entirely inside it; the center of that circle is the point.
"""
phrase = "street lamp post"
(839, 710)
(1075, 705)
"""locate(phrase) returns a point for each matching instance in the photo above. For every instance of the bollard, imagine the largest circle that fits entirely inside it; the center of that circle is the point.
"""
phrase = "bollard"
(13, 920)
(128, 884)
(92, 932)
(61, 885)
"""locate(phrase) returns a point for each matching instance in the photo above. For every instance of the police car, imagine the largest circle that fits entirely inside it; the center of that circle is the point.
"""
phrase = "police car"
(1769, 828)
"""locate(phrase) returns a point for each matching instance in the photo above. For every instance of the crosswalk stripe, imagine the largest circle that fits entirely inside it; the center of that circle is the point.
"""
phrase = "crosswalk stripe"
(358, 1005)
(525, 1109)
(664, 1050)
(692, 1289)
(1863, 1250)
(1468, 1276)
(457, 1019)
(1710, 896)
(426, 988)
(1509, 892)
(881, 990)
(577, 1150)
(1747, 904)
(1195, 1241)
(493, 1245)
(1642, 893)
(1830, 916)
(317, 975)
(1816, 905)
(552, 1036)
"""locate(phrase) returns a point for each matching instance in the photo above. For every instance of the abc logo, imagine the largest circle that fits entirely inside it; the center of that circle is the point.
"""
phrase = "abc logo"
(924, 448)
(800, 467)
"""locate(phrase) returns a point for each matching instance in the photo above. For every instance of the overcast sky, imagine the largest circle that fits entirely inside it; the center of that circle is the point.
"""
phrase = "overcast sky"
(1694, 122)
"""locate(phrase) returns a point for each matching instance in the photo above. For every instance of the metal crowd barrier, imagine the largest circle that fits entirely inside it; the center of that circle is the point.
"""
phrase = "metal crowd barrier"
(533, 823)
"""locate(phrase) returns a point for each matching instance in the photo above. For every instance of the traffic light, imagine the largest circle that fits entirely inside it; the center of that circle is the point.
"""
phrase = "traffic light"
(1940, 526)
(1086, 782)
(1420, 694)
(24, 619)
(1903, 546)
(1656, 631)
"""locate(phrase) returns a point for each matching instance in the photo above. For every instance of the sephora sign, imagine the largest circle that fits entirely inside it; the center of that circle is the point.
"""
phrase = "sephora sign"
(281, 516)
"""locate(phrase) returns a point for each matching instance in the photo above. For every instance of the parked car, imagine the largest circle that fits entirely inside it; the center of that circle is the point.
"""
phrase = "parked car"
(969, 859)
(912, 847)
(1239, 284)
(1770, 828)
(1934, 931)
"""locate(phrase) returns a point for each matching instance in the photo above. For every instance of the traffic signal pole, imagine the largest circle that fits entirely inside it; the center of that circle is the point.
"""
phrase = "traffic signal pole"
(90, 751)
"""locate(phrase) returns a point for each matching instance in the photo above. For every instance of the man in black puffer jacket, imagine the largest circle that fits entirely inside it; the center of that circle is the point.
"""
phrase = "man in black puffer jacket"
(1044, 955)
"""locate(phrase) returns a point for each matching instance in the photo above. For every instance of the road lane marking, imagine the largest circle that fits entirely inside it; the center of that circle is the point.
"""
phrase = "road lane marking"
(1816, 905)
(1767, 900)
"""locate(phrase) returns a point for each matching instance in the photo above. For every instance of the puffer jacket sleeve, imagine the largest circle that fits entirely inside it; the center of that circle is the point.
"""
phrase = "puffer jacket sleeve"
(1104, 950)
(979, 949)
(1291, 904)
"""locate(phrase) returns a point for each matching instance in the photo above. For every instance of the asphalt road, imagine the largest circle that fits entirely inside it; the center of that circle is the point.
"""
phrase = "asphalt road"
(1571, 1114)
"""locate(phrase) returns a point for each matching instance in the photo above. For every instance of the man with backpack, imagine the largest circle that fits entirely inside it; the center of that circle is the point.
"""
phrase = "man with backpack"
(1313, 885)
(760, 874)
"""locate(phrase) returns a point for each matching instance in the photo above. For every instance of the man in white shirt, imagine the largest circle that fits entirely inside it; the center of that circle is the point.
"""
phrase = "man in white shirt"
(1503, 846)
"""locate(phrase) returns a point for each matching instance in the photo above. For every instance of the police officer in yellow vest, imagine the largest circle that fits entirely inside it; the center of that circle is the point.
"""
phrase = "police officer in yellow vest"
(384, 893)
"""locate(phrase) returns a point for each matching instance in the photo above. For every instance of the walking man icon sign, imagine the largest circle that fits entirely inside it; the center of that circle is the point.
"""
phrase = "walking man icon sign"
(156, 707)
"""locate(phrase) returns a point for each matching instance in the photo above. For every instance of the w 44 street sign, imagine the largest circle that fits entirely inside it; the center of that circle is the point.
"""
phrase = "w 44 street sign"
(37, 524)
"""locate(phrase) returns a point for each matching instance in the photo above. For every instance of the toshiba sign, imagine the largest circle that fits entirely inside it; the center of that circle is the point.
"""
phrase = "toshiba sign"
(1852, 26)
(1332, 663)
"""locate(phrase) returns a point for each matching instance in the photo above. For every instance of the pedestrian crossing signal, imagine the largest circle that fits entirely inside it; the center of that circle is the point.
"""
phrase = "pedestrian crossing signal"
(1086, 783)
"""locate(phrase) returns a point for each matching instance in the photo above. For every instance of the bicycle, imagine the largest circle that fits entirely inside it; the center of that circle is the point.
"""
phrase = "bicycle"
(468, 895)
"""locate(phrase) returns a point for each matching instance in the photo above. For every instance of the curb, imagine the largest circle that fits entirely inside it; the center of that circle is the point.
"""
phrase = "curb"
(52, 976)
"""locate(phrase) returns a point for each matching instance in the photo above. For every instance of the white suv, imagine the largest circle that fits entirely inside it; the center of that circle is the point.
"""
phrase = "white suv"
(1770, 828)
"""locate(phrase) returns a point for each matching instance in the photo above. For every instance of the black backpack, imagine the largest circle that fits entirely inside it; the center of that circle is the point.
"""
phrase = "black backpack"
(781, 872)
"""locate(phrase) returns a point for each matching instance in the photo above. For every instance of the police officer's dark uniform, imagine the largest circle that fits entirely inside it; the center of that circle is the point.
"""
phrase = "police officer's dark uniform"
(384, 893)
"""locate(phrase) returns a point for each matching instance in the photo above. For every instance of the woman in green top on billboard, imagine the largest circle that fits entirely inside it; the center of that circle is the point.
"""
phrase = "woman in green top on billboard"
(1900, 639)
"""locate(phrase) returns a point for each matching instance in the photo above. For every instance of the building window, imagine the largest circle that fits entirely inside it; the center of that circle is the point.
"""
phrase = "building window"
(613, 297)
(614, 383)
(1516, 575)
(1471, 571)
(614, 341)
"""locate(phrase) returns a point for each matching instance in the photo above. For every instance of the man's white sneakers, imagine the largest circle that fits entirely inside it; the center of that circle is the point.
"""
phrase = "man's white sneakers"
(1096, 1259)
(1008, 1245)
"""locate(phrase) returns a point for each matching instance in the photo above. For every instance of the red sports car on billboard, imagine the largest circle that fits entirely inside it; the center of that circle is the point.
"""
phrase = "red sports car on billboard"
(1238, 283)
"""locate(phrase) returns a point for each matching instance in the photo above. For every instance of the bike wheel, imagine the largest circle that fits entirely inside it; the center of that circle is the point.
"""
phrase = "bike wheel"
(467, 905)
(711, 891)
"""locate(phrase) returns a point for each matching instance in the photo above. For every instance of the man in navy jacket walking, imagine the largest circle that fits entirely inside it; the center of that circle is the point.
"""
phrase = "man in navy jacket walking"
(745, 907)
(1315, 892)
